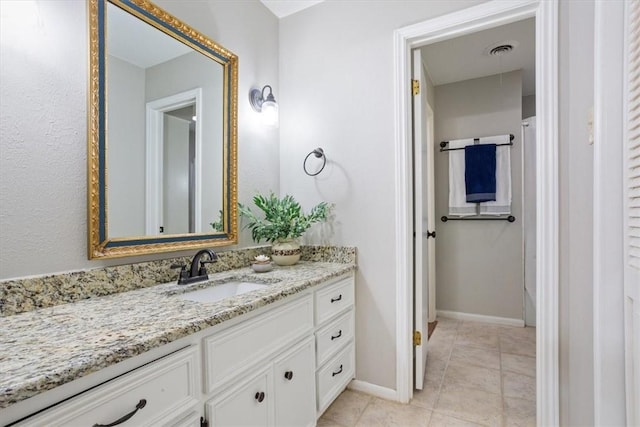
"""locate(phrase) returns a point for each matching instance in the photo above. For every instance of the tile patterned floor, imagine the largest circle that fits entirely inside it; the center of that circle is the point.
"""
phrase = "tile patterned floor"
(477, 375)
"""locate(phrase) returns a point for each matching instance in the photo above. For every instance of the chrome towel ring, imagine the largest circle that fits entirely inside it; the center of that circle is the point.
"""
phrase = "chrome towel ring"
(318, 153)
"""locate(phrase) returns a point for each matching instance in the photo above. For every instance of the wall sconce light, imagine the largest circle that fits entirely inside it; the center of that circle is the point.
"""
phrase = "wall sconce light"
(267, 106)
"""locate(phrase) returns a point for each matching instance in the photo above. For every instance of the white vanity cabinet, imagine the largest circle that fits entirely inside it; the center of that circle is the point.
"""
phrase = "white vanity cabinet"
(280, 365)
(334, 336)
(285, 366)
(261, 372)
(232, 351)
(165, 392)
(281, 394)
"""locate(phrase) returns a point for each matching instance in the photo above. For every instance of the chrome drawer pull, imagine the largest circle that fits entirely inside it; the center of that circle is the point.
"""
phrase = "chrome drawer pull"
(259, 396)
(338, 372)
(336, 299)
(335, 337)
(140, 405)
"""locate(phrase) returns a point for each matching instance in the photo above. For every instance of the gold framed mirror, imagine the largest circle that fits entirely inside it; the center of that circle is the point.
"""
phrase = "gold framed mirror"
(162, 137)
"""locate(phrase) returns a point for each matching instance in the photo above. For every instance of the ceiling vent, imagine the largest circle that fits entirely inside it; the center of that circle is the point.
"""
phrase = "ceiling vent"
(501, 48)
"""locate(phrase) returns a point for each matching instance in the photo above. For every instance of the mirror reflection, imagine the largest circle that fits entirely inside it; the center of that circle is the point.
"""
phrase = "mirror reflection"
(162, 166)
(165, 167)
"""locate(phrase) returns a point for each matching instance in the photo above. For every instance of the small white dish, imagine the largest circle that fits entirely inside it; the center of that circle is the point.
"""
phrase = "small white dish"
(262, 268)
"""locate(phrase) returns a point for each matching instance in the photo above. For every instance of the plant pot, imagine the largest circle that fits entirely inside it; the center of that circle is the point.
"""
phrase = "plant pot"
(286, 252)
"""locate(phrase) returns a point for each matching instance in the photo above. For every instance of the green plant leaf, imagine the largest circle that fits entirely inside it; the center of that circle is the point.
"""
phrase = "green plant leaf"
(283, 218)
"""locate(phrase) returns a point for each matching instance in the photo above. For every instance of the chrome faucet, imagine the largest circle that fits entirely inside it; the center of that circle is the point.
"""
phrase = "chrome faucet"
(198, 271)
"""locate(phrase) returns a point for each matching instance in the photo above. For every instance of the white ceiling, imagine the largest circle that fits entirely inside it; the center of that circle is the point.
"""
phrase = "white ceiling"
(151, 47)
(282, 8)
(464, 58)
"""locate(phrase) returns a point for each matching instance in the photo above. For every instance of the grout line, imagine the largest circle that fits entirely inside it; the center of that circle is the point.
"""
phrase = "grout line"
(446, 366)
(502, 415)
(371, 398)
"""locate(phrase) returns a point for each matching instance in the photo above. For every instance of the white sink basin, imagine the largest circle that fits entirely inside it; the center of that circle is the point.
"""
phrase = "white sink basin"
(218, 292)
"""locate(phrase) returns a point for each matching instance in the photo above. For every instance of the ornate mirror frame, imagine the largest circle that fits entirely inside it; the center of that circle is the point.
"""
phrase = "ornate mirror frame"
(99, 244)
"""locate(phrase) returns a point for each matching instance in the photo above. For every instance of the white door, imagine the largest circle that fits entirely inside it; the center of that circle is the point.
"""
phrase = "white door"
(423, 244)
(632, 215)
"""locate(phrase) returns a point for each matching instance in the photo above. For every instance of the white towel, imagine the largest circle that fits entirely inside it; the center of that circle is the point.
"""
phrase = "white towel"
(458, 205)
(502, 204)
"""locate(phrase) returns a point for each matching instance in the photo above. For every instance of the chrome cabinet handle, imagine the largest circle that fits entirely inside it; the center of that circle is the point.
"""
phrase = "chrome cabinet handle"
(140, 405)
(335, 337)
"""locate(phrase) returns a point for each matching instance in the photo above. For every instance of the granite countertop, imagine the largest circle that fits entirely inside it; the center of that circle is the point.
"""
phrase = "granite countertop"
(45, 348)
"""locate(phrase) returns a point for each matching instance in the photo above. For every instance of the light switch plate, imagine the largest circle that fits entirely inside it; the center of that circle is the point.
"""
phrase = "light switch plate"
(590, 125)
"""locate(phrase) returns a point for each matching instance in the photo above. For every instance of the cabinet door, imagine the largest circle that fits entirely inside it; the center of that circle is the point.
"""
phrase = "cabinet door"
(295, 386)
(249, 404)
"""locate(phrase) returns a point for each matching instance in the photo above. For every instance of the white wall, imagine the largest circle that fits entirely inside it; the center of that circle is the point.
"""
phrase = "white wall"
(126, 154)
(43, 125)
(336, 81)
(528, 106)
(479, 264)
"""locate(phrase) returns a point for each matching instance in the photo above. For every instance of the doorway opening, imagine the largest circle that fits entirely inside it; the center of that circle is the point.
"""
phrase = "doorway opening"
(450, 26)
(483, 275)
(174, 164)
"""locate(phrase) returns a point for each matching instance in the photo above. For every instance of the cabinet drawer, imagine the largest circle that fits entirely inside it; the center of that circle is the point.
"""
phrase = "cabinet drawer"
(334, 377)
(333, 299)
(334, 336)
(232, 351)
(169, 386)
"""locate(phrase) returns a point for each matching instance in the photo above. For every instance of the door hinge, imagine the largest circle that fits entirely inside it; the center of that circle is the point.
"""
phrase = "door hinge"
(417, 338)
(415, 87)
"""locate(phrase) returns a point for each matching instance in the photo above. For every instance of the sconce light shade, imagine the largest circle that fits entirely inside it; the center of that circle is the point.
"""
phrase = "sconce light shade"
(267, 106)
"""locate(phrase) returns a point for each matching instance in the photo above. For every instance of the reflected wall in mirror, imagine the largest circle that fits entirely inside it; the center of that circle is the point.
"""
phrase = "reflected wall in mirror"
(163, 142)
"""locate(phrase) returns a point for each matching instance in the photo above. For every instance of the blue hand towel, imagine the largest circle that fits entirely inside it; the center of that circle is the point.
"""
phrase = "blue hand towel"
(480, 172)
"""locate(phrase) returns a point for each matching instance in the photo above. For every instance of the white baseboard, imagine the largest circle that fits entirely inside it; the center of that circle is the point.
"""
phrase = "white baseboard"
(480, 318)
(373, 390)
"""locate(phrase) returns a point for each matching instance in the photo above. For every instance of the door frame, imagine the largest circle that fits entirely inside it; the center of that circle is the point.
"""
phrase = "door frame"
(154, 158)
(431, 216)
(487, 15)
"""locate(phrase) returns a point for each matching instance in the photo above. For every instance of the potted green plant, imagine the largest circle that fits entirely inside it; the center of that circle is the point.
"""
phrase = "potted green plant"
(284, 221)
